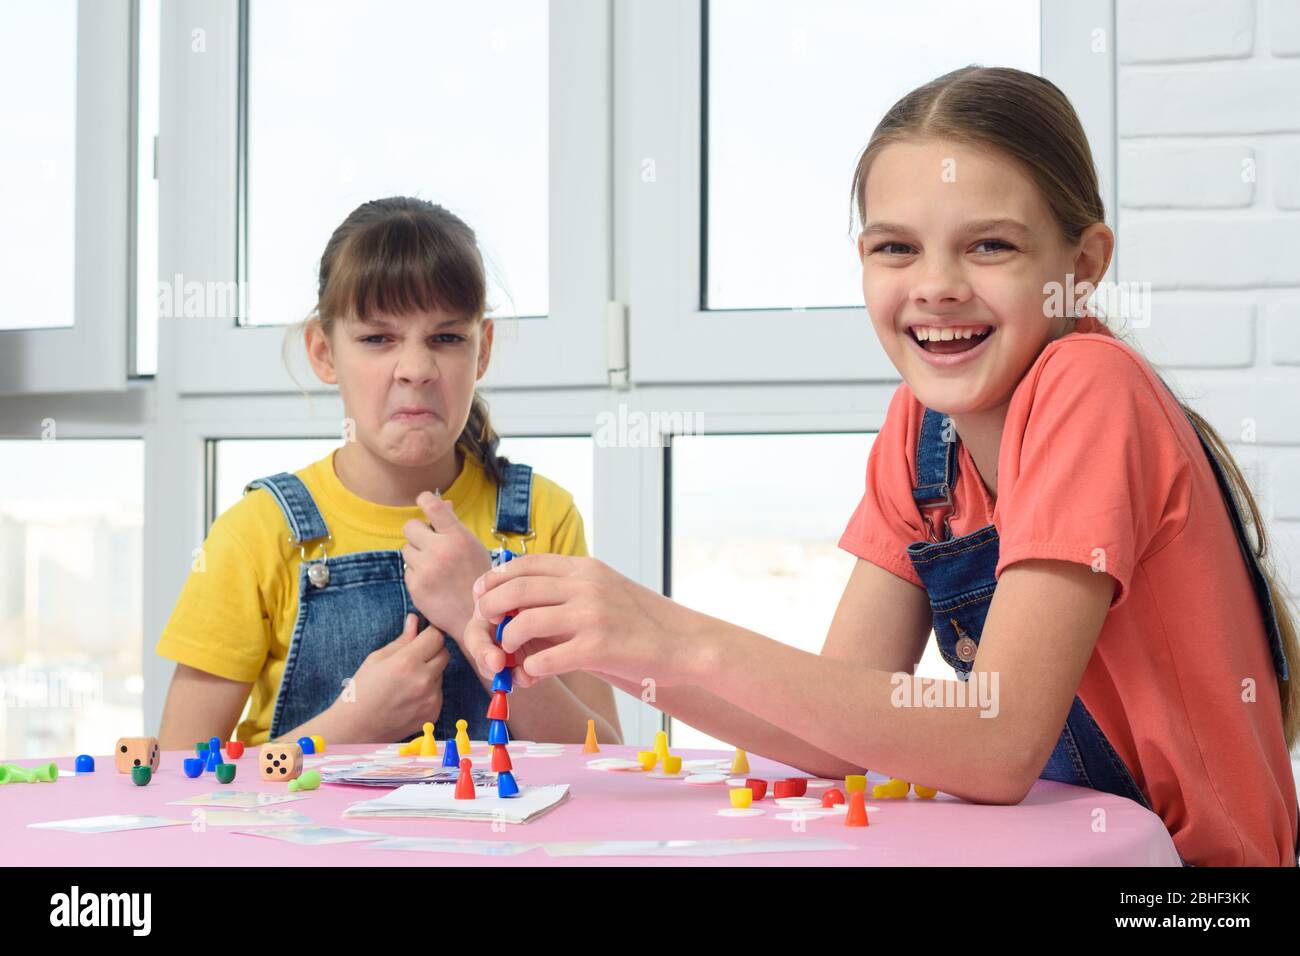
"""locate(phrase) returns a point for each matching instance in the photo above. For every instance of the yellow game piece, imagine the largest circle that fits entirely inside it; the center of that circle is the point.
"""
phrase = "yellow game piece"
(661, 745)
(319, 741)
(428, 745)
(893, 789)
(591, 747)
(462, 738)
(740, 762)
(855, 782)
(648, 759)
(925, 793)
(410, 749)
(741, 797)
(672, 764)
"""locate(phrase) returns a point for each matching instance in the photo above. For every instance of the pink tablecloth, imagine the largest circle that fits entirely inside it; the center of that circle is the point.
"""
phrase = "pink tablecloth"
(1055, 825)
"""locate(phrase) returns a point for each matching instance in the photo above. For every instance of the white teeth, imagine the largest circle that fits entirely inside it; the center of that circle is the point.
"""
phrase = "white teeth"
(924, 333)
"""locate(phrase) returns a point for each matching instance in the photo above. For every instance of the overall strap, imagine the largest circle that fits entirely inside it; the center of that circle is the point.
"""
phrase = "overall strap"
(1258, 581)
(514, 505)
(295, 501)
(936, 464)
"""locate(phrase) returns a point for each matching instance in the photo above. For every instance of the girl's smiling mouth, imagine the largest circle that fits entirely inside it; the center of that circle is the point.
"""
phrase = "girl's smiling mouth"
(948, 345)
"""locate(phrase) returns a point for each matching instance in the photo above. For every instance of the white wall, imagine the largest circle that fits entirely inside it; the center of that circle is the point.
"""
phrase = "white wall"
(1208, 110)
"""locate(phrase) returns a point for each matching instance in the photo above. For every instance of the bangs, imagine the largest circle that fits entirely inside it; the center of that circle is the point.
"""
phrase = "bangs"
(401, 265)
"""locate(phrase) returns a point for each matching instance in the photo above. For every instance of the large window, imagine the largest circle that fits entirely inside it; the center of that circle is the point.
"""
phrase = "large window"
(437, 99)
(793, 93)
(38, 161)
(756, 521)
(71, 632)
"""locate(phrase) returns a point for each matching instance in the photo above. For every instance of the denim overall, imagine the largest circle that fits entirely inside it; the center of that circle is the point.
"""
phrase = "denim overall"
(352, 604)
(959, 581)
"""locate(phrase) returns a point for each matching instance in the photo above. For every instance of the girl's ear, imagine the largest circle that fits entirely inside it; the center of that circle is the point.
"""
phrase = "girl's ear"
(1093, 253)
(862, 247)
(484, 347)
(319, 352)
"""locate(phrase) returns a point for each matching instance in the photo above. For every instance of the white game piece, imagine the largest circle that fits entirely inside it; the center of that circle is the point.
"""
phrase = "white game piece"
(735, 812)
(789, 802)
(736, 781)
(612, 763)
(799, 815)
(821, 784)
(660, 775)
(704, 779)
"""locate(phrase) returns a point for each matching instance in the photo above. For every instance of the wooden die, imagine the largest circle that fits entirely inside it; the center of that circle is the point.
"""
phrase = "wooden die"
(279, 761)
(136, 752)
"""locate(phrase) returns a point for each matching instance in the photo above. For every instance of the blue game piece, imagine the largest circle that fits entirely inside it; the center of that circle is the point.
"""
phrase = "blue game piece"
(212, 761)
(193, 766)
(307, 744)
(501, 627)
(214, 744)
(506, 786)
(85, 763)
(450, 758)
(503, 681)
(497, 733)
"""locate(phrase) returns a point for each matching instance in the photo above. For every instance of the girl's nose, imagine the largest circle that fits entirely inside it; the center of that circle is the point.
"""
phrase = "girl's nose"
(941, 284)
(417, 365)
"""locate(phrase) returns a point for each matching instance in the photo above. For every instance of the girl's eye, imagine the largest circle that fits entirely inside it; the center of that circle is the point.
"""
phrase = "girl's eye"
(1001, 246)
(894, 248)
(450, 338)
(369, 339)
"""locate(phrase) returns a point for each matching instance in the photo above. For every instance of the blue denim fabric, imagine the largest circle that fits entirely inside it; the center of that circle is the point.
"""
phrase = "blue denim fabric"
(958, 575)
(362, 607)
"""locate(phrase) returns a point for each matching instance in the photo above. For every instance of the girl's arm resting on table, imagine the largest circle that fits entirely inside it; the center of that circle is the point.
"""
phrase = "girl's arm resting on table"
(557, 710)
(199, 706)
(1041, 628)
(882, 622)
(202, 705)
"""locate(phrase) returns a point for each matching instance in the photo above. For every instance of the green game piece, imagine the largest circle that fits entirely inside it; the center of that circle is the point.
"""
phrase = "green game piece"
(309, 780)
(201, 747)
(225, 772)
(141, 775)
(13, 773)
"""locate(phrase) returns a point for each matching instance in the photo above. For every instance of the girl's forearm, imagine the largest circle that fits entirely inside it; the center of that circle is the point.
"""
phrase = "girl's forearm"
(550, 711)
(850, 711)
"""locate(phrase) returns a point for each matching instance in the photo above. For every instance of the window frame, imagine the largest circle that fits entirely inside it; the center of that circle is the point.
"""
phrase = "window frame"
(659, 55)
(90, 355)
(205, 164)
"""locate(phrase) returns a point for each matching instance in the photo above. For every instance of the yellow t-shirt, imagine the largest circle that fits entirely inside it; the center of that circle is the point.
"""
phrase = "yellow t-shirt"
(235, 617)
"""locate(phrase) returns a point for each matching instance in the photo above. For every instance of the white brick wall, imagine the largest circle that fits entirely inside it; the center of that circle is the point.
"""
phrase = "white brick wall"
(1208, 115)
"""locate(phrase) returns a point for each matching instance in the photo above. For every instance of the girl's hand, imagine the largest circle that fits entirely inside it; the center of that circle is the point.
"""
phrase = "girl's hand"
(398, 687)
(442, 560)
(576, 614)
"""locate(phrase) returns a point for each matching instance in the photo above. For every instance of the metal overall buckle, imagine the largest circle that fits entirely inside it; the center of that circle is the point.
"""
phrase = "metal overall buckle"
(318, 572)
(945, 503)
(523, 539)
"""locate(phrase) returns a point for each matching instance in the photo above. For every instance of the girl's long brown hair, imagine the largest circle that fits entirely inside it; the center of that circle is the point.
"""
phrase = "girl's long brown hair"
(1029, 119)
(398, 256)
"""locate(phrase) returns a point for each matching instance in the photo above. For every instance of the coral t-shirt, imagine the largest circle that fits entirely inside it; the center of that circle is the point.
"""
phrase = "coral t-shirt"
(1097, 454)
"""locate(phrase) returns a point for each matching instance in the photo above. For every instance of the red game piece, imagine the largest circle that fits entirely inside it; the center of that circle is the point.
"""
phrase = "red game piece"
(783, 788)
(234, 749)
(498, 709)
(500, 759)
(857, 815)
(465, 781)
(510, 659)
(799, 785)
(758, 787)
(832, 798)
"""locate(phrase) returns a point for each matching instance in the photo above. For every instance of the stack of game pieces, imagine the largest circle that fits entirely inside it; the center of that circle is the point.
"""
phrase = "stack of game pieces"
(498, 713)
